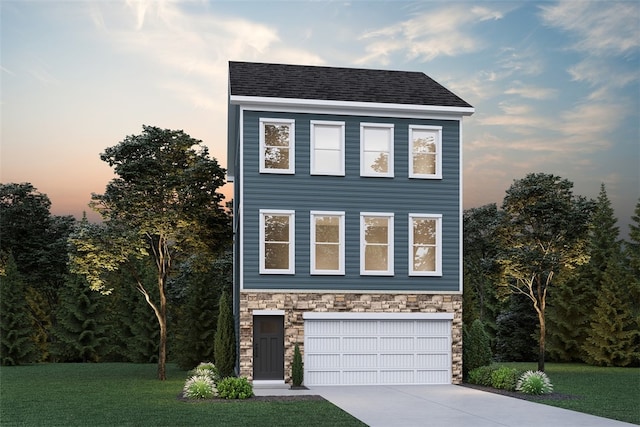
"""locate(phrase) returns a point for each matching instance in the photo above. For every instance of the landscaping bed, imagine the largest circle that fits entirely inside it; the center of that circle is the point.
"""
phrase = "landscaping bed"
(518, 395)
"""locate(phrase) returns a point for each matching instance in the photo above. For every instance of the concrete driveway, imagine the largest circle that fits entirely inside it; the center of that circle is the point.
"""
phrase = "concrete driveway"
(445, 405)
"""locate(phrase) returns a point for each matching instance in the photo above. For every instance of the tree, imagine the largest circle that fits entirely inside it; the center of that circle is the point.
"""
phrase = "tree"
(516, 331)
(162, 205)
(544, 232)
(16, 326)
(477, 347)
(225, 339)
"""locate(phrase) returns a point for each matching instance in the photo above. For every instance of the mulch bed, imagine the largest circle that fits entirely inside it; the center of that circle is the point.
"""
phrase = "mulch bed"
(517, 395)
(256, 399)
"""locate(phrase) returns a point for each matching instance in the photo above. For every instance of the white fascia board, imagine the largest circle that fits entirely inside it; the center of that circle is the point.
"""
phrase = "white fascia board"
(256, 102)
(313, 315)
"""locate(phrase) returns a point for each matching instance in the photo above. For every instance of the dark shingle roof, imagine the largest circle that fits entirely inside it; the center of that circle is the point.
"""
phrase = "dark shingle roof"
(338, 84)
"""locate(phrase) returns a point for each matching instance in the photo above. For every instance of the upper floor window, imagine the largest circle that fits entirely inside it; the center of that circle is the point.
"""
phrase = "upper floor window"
(277, 244)
(376, 149)
(425, 245)
(327, 148)
(425, 158)
(327, 242)
(376, 244)
(277, 146)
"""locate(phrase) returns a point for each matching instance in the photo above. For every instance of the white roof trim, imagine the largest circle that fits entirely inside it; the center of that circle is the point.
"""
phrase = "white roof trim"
(313, 315)
(297, 102)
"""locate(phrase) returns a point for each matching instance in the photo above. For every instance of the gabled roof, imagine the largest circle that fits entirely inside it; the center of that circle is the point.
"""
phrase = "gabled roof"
(303, 82)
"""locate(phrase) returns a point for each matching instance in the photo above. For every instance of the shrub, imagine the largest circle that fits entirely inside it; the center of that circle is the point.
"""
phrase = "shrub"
(206, 369)
(225, 341)
(297, 372)
(505, 378)
(477, 347)
(534, 383)
(481, 375)
(199, 387)
(235, 388)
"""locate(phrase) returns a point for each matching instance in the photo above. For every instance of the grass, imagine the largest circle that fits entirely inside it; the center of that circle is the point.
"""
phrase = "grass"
(123, 394)
(606, 392)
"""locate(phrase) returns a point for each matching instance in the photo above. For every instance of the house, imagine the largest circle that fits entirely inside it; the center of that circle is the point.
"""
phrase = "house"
(347, 224)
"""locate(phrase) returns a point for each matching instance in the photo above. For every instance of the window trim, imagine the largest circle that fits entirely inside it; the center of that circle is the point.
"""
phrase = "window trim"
(312, 260)
(391, 128)
(390, 245)
(438, 131)
(292, 240)
(312, 136)
(292, 138)
(438, 271)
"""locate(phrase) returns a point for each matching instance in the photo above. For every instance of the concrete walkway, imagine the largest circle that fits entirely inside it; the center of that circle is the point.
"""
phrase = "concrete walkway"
(443, 405)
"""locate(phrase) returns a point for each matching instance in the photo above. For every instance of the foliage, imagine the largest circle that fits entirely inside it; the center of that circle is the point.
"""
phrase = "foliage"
(163, 205)
(534, 383)
(225, 341)
(196, 317)
(516, 327)
(543, 232)
(16, 327)
(505, 378)
(297, 370)
(476, 347)
(208, 369)
(199, 387)
(81, 333)
(235, 388)
(482, 375)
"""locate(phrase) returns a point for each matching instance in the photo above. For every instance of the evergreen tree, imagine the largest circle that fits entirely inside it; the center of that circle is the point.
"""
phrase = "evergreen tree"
(633, 257)
(613, 338)
(16, 326)
(516, 331)
(81, 330)
(225, 339)
(476, 347)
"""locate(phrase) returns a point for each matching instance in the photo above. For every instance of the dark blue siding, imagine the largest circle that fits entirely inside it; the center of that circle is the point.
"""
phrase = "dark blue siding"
(303, 193)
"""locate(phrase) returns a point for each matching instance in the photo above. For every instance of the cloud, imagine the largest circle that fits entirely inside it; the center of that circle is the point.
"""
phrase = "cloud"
(599, 71)
(531, 92)
(600, 28)
(429, 35)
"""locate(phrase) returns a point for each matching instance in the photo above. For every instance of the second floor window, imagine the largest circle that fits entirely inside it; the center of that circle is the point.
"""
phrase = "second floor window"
(376, 149)
(425, 157)
(327, 148)
(376, 244)
(425, 245)
(277, 146)
(277, 231)
(327, 242)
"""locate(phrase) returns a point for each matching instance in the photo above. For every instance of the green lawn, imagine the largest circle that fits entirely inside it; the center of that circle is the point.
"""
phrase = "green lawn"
(607, 392)
(109, 394)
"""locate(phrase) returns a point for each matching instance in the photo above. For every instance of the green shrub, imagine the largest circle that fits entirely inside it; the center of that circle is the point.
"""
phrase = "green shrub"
(476, 347)
(297, 371)
(235, 388)
(482, 375)
(534, 383)
(225, 340)
(505, 378)
(199, 387)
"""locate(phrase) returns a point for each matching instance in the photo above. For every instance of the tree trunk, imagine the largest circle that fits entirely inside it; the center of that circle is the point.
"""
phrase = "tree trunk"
(162, 321)
(541, 349)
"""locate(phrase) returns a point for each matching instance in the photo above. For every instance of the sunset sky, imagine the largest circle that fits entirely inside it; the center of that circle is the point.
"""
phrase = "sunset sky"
(555, 85)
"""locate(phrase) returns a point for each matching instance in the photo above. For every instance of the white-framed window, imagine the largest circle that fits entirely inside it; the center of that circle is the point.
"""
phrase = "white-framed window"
(376, 244)
(376, 149)
(327, 148)
(327, 242)
(425, 152)
(425, 244)
(277, 241)
(277, 146)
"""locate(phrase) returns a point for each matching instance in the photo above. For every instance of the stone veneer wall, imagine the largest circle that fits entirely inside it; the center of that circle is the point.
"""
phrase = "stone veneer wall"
(294, 304)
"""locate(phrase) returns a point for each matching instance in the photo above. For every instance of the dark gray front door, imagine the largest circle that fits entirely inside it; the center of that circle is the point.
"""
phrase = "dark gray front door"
(268, 347)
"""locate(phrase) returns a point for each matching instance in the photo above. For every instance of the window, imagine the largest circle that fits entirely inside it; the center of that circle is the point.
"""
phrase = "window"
(376, 244)
(277, 144)
(327, 148)
(327, 242)
(425, 157)
(277, 231)
(376, 149)
(425, 245)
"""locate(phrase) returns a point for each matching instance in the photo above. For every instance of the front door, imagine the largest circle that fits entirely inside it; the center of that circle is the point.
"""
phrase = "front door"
(268, 348)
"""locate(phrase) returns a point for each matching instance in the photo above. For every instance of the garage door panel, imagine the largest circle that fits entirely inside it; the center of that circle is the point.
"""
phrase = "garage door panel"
(396, 327)
(397, 377)
(360, 377)
(322, 377)
(433, 327)
(396, 343)
(359, 344)
(433, 360)
(359, 327)
(433, 377)
(326, 327)
(396, 360)
(439, 344)
(324, 361)
(360, 360)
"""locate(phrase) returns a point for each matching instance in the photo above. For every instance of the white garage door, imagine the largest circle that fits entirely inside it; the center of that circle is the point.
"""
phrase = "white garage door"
(377, 348)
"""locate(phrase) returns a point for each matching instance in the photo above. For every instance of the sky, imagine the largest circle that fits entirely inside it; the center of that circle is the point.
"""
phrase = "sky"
(555, 85)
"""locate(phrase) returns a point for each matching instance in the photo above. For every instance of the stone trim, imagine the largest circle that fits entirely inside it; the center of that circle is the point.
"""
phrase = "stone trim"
(295, 304)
